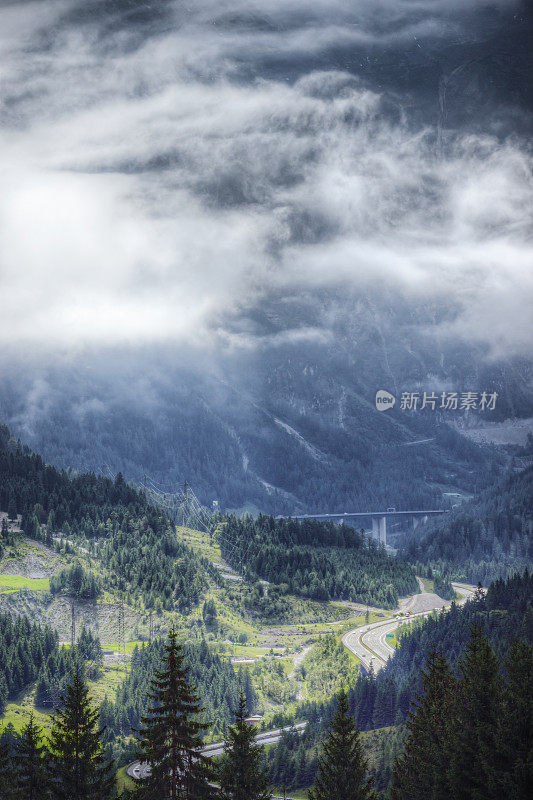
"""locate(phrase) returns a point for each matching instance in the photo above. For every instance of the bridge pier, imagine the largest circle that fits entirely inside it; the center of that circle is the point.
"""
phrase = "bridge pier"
(379, 529)
(379, 519)
(417, 520)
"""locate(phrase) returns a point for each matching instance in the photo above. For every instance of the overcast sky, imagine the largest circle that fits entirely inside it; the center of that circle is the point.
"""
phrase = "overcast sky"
(163, 167)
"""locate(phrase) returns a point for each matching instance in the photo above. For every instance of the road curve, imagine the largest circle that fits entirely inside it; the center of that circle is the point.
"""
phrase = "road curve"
(139, 769)
(369, 642)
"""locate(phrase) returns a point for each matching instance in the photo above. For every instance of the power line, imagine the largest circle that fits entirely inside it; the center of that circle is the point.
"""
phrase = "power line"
(73, 624)
(182, 506)
(121, 629)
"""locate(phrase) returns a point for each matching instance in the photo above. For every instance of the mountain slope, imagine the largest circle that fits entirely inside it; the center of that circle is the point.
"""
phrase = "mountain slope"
(485, 538)
(316, 560)
(132, 541)
(377, 702)
(284, 425)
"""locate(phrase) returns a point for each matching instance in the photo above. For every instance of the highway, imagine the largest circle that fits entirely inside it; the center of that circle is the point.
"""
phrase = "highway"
(369, 642)
(389, 513)
(138, 769)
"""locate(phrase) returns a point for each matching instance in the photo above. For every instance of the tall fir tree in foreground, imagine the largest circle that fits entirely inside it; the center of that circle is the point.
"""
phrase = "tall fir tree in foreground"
(7, 771)
(342, 768)
(420, 772)
(241, 774)
(509, 767)
(170, 737)
(474, 719)
(30, 762)
(78, 767)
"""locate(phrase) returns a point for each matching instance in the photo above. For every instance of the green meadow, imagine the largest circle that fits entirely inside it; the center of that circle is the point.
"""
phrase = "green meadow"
(13, 583)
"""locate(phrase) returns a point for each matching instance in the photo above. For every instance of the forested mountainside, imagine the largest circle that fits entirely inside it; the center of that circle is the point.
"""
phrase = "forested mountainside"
(488, 537)
(216, 680)
(504, 615)
(31, 654)
(296, 431)
(139, 554)
(134, 541)
(316, 559)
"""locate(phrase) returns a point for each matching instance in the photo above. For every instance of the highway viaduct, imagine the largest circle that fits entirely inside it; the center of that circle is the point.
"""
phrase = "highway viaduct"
(379, 518)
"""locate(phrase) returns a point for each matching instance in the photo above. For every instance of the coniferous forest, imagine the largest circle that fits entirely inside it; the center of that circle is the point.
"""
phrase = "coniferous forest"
(429, 684)
(215, 679)
(465, 714)
(498, 628)
(31, 654)
(132, 537)
(314, 559)
(266, 400)
(486, 538)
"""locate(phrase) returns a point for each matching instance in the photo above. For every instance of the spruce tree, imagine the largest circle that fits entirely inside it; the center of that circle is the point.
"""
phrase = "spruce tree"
(509, 767)
(170, 738)
(78, 767)
(49, 528)
(241, 774)
(474, 719)
(4, 693)
(342, 767)
(420, 772)
(12, 507)
(30, 760)
(7, 772)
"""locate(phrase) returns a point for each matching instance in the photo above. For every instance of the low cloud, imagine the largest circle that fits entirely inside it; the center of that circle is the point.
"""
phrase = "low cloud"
(156, 183)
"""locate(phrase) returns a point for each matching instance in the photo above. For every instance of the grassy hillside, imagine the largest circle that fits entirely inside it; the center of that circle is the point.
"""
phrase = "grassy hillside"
(13, 583)
(253, 635)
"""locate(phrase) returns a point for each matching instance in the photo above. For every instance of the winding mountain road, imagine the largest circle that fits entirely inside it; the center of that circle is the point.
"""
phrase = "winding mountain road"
(369, 642)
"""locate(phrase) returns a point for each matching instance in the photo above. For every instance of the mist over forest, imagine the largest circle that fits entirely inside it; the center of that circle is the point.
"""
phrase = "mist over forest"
(225, 226)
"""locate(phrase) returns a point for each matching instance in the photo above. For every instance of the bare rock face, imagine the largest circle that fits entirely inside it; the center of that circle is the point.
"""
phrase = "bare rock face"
(35, 561)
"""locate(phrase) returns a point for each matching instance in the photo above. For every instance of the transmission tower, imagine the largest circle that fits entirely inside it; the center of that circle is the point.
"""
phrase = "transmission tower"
(121, 629)
(151, 633)
(182, 506)
(72, 624)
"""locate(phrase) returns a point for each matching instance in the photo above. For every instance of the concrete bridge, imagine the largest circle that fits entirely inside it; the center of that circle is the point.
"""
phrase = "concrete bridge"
(379, 518)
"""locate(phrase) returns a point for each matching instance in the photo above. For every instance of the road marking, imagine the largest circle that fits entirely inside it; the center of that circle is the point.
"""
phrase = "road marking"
(359, 645)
